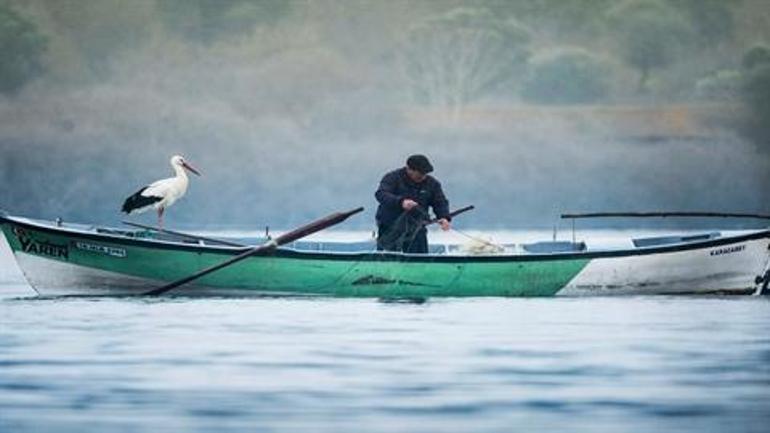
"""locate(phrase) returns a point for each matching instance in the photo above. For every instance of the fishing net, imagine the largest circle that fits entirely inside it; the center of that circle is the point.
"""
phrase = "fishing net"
(401, 235)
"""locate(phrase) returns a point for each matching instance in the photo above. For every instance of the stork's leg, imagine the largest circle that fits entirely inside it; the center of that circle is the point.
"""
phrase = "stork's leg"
(160, 218)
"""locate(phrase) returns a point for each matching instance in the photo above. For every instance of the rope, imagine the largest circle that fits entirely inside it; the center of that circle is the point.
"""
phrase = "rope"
(354, 264)
(393, 238)
(405, 228)
(401, 235)
(480, 240)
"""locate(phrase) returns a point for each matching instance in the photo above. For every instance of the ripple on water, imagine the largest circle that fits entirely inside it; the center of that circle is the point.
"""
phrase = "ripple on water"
(493, 365)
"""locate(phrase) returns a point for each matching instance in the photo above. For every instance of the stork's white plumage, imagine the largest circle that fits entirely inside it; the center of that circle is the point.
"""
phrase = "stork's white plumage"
(162, 193)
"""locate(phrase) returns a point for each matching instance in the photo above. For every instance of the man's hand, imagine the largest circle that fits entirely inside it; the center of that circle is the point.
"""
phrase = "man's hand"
(445, 225)
(408, 204)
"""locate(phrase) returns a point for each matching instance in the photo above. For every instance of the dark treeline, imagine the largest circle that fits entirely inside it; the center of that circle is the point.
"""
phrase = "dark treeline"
(292, 109)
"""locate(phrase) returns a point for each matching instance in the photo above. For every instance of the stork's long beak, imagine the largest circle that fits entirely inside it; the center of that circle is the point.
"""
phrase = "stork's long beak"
(191, 168)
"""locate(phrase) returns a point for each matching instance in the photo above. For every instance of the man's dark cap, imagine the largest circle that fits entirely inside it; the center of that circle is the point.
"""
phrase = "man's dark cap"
(419, 163)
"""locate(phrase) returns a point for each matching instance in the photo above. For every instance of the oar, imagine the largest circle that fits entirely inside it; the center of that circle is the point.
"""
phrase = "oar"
(451, 214)
(764, 280)
(291, 236)
(184, 235)
(663, 215)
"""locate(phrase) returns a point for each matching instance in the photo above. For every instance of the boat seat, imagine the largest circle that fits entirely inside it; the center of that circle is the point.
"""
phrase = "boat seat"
(667, 240)
(332, 246)
(126, 233)
(145, 234)
(554, 247)
(350, 247)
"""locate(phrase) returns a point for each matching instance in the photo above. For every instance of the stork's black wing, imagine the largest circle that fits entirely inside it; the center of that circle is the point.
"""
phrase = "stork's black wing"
(138, 201)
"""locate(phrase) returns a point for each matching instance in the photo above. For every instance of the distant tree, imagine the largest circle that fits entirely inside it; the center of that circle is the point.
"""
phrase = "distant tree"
(570, 18)
(567, 77)
(21, 49)
(723, 85)
(208, 20)
(90, 34)
(650, 34)
(712, 20)
(461, 56)
(756, 56)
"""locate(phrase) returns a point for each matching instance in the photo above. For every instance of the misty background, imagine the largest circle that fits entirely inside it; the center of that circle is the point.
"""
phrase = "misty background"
(294, 109)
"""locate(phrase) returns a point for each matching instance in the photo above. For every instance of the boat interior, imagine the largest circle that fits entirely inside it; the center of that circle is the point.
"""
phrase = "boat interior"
(480, 248)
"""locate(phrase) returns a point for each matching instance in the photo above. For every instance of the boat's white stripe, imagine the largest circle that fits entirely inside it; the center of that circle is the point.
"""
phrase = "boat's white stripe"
(52, 277)
(728, 268)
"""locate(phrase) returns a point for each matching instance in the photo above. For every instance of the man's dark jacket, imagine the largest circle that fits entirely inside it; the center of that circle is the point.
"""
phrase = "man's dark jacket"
(397, 186)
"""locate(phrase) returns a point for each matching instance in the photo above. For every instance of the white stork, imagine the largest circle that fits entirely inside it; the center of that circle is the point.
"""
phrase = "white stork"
(162, 193)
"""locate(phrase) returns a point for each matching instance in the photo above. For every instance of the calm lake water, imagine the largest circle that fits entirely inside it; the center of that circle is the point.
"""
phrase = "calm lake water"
(633, 364)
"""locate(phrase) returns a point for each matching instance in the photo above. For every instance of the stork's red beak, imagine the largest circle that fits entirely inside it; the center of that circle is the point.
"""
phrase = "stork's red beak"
(191, 168)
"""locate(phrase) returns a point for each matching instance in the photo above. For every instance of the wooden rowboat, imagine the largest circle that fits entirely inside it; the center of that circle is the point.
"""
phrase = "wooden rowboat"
(71, 259)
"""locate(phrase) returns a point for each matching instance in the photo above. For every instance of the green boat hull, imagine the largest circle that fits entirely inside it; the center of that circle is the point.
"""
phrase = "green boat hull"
(118, 260)
(83, 260)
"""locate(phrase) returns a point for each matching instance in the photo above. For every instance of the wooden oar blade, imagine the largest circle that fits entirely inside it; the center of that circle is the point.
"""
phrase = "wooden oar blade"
(316, 226)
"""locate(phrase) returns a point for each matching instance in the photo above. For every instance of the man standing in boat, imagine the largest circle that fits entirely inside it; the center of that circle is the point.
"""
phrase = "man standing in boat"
(405, 194)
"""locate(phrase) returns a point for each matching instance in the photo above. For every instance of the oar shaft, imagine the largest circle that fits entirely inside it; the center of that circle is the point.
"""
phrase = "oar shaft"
(461, 210)
(452, 214)
(210, 269)
(291, 236)
(663, 215)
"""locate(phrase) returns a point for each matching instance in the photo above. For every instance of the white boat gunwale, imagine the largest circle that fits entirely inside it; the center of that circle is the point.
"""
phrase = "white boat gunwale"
(94, 235)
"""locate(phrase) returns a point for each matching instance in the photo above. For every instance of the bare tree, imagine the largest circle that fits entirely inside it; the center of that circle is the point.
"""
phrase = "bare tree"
(461, 56)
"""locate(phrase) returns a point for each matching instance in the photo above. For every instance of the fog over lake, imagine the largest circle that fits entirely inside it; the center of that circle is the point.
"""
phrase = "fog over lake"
(528, 109)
